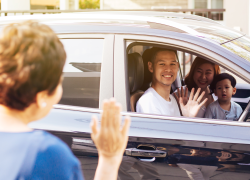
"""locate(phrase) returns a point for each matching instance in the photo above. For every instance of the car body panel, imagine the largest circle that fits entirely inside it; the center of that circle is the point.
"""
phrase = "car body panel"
(171, 134)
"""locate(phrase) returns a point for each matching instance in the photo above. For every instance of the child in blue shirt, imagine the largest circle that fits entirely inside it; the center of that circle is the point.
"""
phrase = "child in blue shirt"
(224, 108)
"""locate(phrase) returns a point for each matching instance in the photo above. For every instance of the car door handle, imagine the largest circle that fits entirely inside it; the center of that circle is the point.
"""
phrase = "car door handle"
(145, 153)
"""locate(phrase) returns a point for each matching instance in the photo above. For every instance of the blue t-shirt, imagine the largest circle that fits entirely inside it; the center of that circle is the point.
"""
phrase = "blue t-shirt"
(214, 111)
(36, 155)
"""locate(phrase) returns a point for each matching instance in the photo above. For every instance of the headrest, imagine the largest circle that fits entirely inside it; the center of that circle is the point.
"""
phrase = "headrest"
(146, 56)
(135, 71)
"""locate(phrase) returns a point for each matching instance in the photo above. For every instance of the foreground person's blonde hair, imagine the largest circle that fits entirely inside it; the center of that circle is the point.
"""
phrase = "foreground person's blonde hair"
(31, 60)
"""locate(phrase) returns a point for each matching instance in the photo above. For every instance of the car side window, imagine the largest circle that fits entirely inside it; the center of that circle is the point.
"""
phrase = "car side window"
(82, 72)
(137, 86)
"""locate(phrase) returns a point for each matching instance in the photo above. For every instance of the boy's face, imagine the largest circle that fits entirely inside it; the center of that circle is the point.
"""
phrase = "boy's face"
(165, 68)
(224, 90)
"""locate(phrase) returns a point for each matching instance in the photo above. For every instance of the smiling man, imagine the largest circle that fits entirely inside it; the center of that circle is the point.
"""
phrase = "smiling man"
(157, 99)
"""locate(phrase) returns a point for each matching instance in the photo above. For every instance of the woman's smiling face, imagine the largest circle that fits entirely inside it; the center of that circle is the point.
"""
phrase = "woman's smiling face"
(204, 75)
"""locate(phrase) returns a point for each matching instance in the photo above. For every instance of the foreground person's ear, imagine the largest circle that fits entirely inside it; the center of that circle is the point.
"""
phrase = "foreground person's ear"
(41, 99)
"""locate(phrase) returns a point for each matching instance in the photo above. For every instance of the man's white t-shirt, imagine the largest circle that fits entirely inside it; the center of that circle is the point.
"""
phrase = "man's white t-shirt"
(152, 103)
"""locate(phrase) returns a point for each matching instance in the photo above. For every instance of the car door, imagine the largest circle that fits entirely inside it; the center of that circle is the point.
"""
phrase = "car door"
(88, 80)
(164, 147)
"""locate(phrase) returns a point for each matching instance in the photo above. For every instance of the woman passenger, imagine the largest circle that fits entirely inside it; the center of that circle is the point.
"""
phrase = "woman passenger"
(31, 63)
(201, 75)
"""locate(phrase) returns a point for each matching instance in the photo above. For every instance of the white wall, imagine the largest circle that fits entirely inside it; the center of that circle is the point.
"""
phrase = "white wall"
(15, 5)
(64, 4)
(69, 4)
(237, 14)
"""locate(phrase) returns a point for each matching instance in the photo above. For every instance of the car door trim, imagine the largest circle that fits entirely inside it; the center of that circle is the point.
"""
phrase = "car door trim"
(159, 117)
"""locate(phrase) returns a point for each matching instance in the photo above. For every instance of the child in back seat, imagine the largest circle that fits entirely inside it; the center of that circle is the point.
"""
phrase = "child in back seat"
(224, 108)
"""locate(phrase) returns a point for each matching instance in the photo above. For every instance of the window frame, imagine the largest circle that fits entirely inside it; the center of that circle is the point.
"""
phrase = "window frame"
(106, 79)
(121, 85)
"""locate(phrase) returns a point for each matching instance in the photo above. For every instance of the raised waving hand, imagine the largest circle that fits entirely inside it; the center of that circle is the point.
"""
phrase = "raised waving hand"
(183, 93)
(193, 105)
(110, 140)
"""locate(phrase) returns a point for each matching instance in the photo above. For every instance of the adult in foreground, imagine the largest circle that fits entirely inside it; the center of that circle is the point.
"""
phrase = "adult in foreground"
(157, 99)
(31, 63)
(201, 75)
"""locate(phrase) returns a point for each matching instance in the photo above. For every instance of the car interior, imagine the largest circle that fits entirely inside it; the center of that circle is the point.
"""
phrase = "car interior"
(139, 77)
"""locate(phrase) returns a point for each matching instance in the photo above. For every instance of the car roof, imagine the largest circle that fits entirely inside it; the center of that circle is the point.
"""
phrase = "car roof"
(144, 23)
(177, 22)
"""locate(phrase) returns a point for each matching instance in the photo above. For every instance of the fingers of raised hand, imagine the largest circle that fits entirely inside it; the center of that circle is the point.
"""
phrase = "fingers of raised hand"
(181, 101)
(111, 111)
(197, 94)
(94, 128)
(110, 139)
(111, 115)
(94, 124)
(178, 91)
(105, 113)
(186, 91)
(203, 102)
(117, 117)
(201, 96)
(182, 91)
(176, 97)
(126, 126)
(191, 94)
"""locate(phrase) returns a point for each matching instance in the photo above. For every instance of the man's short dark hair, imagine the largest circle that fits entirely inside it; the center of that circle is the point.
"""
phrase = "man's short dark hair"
(221, 77)
(155, 50)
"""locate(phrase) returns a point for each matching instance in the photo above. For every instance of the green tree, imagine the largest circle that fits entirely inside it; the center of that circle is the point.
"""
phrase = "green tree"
(89, 4)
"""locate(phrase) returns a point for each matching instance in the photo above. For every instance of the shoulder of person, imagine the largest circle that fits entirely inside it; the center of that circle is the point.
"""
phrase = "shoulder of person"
(172, 98)
(147, 96)
(213, 105)
(55, 159)
(236, 105)
(52, 145)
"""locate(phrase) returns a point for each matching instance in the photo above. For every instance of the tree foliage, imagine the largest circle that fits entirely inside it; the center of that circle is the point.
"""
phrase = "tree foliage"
(89, 4)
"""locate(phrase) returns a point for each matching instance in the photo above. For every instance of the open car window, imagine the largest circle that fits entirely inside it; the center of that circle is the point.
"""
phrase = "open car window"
(242, 95)
(185, 60)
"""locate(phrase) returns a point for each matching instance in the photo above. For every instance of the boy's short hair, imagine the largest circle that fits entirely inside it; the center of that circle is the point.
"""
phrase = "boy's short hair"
(221, 77)
(31, 60)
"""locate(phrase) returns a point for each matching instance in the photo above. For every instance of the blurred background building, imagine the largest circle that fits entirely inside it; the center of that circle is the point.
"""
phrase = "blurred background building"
(234, 14)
